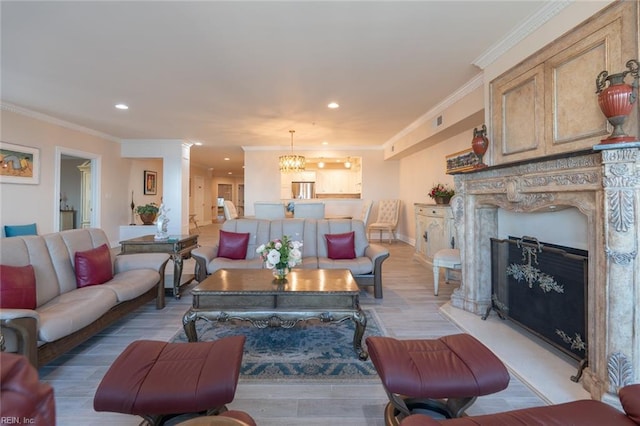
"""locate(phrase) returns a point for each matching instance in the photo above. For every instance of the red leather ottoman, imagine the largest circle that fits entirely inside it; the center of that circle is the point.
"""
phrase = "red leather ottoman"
(444, 375)
(159, 380)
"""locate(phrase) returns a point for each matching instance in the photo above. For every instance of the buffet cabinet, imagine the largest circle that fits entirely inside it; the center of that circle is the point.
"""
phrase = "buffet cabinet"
(434, 230)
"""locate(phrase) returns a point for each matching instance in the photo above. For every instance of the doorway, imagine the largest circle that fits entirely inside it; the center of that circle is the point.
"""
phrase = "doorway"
(77, 189)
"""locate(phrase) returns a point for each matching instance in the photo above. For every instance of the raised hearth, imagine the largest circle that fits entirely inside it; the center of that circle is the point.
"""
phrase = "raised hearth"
(605, 187)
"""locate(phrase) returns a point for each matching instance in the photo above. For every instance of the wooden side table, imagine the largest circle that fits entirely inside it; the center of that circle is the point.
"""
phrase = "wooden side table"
(177, 246)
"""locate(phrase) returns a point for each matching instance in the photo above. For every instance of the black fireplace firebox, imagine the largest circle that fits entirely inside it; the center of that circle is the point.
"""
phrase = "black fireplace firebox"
(543, 288)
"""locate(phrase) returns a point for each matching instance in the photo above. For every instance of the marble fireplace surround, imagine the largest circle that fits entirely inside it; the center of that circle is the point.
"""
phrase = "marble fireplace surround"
(604, 185)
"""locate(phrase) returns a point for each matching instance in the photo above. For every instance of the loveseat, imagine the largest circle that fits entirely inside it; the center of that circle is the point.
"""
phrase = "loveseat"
(579, 413)
(366, 265)
(60, 289)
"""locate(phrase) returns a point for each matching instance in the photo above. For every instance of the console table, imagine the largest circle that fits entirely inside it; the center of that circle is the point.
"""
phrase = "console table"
(177, 246)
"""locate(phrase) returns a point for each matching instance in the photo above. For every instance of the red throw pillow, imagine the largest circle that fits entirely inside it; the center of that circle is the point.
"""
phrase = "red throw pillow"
(17, 287)
(93, 267)
(233, 245)
(341, 246)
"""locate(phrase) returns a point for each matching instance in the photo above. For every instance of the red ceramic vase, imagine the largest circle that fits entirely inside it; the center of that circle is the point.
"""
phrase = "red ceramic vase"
(480, 144)
(616, 101)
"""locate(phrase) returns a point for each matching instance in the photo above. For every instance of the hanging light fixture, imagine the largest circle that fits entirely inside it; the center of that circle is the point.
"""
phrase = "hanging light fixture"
(347, 164)
(292, 162)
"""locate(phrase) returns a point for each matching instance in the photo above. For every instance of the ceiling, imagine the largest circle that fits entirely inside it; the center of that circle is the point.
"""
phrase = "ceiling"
(234, 74)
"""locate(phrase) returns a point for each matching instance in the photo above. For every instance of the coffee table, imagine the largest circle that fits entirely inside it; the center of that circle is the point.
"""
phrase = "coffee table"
(327, 295)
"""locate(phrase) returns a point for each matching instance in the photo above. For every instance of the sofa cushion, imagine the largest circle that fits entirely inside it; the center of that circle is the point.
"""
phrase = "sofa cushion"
(17, 287)
(341, 246)
(233, 245)
(93, 267)
(73, 310)
(20, 230)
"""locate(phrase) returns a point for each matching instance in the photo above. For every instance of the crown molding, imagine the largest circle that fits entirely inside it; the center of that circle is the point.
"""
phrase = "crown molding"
(535, 21)
(52, 120)
(427, 117)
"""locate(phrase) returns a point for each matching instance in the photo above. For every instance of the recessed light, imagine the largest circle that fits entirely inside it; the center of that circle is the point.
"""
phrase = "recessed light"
(229, 173)
(333, 105)
(325, 143)
(121, 106)
(227, 158)
(197, 143)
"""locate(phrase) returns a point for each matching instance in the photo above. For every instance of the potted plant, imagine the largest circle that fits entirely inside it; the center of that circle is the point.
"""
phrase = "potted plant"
(148, 213)
(441, 193)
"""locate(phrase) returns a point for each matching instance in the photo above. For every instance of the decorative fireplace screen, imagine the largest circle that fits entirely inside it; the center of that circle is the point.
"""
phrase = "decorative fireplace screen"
(543, 288)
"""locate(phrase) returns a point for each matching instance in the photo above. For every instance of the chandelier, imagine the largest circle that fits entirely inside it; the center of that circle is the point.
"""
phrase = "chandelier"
(292, 162)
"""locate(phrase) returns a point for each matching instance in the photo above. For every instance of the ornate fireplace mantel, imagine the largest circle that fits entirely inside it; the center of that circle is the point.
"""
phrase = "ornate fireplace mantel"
(604, 185)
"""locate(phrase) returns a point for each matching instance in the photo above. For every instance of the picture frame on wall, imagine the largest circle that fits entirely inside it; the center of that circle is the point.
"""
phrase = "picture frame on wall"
(150, 182)
(19, 164)
(461, 161)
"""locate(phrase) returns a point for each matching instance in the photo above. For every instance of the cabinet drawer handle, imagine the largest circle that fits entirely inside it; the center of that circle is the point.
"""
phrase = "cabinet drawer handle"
(433, 211)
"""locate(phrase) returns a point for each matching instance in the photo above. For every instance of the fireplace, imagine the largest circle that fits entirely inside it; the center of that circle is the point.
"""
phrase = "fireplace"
(604, 186)
(542, 287)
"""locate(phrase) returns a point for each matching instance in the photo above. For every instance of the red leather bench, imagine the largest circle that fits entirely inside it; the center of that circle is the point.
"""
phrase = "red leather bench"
(159, 380)
(582, 413)
(444, 375)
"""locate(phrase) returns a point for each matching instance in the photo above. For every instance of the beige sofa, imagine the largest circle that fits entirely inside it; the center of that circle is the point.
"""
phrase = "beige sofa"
(65, 315)
(366, 267)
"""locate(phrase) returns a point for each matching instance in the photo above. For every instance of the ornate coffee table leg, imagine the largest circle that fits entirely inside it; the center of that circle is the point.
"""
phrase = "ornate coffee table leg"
(360, 319)
(189, 325)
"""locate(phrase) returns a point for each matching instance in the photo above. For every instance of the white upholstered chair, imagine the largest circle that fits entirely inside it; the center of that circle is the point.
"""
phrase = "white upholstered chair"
(366, 211)
(387, 220)
(264, 210)
(445, 258)
(308, 210)
(230, 211)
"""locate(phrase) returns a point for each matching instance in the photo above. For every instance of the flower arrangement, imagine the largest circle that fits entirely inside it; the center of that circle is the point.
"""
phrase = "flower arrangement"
(441, 191)
(281, 255)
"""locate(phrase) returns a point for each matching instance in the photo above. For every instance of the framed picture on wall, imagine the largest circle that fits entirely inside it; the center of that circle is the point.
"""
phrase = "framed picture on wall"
(461, 161)
(150, 182)
(19, 164)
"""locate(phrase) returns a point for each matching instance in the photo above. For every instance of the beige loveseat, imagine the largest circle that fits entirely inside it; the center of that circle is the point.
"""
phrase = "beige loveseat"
(366, 267)
(65, 315)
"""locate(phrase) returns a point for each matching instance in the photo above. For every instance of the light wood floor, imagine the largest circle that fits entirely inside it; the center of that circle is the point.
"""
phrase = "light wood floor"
(409, 310)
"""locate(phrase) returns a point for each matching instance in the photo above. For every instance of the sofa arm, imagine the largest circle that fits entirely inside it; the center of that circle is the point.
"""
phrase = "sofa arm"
(203, 255)
(129, 262)
(377, 254)
(19, 328)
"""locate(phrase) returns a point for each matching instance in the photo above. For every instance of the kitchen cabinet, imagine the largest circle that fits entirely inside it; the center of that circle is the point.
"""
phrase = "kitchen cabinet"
(434, 230)
(547, 104)
(338, 182)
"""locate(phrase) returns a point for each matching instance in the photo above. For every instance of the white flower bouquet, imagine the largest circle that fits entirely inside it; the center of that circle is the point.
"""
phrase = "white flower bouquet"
(281, 255)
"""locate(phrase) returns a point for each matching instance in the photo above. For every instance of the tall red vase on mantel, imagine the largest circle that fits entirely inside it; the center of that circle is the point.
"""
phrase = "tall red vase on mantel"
(479, 145)
(616, 101)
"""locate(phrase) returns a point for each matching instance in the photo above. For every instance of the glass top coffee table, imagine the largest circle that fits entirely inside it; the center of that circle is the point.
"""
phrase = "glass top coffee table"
(326, 295)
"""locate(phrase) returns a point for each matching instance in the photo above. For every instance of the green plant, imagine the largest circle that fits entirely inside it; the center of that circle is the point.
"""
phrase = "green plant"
(151, 208)
(441, 190)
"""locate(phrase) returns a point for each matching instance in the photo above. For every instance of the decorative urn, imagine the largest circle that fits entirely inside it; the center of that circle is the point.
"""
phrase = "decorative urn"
(480, 144)
(616, 100)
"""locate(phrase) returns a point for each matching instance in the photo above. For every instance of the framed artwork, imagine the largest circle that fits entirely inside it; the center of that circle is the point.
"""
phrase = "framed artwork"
(19, 164)
(150, 182)
(461, 161)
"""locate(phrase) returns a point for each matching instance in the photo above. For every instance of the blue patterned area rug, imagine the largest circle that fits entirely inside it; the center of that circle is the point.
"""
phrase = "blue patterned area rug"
(311, 351)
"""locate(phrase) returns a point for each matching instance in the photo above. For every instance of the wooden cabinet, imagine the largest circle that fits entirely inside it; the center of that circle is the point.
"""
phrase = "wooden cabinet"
(338, 182)
(434, 230)
(547, 105)
(67, 219)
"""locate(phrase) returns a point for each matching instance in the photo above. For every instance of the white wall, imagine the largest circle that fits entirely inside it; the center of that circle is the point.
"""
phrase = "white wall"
(21, 204)
(136, 184)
